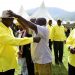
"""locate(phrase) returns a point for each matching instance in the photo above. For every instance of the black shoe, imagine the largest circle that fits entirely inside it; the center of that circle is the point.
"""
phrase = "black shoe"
(57, 63)
(61, 63)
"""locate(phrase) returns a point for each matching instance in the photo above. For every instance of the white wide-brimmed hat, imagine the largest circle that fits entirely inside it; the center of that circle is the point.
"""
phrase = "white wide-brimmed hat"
(5, 14)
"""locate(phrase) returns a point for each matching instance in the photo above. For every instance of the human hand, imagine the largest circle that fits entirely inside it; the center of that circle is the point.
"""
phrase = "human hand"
(65, 41)
(20, 54)
(72, 50)
(12, 14)
(36, 39)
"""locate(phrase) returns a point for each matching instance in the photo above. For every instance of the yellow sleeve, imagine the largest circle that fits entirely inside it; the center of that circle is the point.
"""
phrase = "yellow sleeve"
(9, 40)
(70, 39)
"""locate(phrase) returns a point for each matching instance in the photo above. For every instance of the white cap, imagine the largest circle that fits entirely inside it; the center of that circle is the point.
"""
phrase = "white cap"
(5, 14)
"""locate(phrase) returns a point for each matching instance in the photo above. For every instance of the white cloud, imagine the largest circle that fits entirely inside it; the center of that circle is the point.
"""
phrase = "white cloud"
(14, 5)
(68, 5)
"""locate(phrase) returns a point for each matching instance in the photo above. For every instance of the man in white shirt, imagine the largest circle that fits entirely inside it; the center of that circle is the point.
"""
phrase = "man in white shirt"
(40, 52)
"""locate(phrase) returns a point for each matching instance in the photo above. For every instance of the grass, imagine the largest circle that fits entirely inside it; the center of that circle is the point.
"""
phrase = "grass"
(57, 69)
(61, 69)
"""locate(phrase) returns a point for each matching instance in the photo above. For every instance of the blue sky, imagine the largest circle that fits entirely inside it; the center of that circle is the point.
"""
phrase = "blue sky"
(15, 5)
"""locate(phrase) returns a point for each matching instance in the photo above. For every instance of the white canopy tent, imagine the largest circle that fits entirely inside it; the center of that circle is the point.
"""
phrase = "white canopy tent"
(42, 12)
(23, 13)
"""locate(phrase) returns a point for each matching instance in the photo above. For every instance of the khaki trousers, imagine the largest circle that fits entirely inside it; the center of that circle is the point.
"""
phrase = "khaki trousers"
(43, 69)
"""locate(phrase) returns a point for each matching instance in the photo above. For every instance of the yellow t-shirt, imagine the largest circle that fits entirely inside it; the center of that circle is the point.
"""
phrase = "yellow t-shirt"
(8, 49)
(71, 42)
(58, 33)
(50, 29)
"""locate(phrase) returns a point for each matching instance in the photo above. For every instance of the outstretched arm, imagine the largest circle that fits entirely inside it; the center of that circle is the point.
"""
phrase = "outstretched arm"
(25, 23)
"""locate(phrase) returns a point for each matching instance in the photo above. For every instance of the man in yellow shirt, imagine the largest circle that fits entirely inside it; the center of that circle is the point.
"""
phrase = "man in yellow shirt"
(8, 43)
(71, 58)
(50, 29)
(58, 37)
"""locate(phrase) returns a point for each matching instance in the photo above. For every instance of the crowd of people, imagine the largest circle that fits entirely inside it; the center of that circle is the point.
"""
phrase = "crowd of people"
(31, 43)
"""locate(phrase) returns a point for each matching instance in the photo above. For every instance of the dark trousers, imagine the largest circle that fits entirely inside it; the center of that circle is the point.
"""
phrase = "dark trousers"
(71, 70)
(27, 55)
(50, 44)
(58, 51)
(30, 67)
(9, 72)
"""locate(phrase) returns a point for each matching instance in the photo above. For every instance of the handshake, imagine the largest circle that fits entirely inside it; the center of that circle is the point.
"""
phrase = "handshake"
(72, 49)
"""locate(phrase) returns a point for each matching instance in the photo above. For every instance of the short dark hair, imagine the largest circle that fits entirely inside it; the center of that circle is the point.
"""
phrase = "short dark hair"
(50, 20)
(59, 20)
(41, 21)
(33, 20)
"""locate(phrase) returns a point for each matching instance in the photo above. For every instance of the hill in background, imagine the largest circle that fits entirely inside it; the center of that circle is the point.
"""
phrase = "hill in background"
(57, 13)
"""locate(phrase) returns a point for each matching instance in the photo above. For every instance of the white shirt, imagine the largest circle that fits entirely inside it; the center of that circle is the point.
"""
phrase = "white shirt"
(40, 52)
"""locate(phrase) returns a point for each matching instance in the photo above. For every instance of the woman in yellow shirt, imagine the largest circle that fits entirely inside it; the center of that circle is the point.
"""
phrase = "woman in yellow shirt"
(71, 58)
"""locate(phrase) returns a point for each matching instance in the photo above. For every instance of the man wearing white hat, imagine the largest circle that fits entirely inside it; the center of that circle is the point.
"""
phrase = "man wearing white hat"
(8, 43)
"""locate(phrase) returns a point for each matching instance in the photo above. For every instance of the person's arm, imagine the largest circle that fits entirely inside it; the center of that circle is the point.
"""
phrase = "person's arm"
(70, 42)
(23, 21)
(70, 39)
(9, 40)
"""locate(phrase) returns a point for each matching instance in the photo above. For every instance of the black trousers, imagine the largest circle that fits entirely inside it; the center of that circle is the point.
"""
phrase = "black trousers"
(27, 55)
(71, 70)
(9, 72)
(30, 67)
(58, 50)
(50, 44)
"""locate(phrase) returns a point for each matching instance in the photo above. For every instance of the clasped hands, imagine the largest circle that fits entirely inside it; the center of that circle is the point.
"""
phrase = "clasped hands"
(72, 49)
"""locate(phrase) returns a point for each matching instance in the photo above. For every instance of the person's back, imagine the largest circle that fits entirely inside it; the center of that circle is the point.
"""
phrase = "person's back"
(40, 52)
